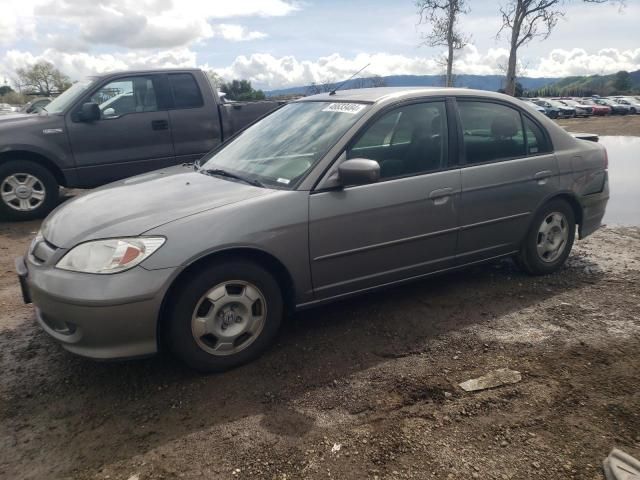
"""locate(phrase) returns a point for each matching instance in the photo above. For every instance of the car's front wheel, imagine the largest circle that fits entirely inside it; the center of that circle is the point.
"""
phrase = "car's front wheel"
(225, 316)
(27, 190)
(549, 240)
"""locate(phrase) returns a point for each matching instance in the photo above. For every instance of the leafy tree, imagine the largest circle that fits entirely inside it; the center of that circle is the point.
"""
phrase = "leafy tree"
(443, 16)
(42, 79)
(5, 89)
(524, 20)
(241, 90)
(622, 81)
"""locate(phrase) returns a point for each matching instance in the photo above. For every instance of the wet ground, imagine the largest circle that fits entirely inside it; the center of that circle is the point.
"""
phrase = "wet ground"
(624, 180)
(366, 388)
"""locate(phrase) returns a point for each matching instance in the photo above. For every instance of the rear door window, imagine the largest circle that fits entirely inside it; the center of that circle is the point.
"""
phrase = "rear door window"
(537, 142)
(185, 90)
(491, 131)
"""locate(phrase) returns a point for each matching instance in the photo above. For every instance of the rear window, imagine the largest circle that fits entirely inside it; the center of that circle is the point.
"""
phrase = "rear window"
(184, 88)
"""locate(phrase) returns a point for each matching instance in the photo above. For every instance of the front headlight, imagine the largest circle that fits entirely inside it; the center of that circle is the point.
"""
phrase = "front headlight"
(109, 256)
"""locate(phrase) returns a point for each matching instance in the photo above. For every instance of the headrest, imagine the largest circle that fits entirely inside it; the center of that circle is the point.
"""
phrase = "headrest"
(504, 126)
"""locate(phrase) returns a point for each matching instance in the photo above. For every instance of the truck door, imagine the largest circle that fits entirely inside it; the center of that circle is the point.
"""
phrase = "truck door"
(195, 123)
(132, 135)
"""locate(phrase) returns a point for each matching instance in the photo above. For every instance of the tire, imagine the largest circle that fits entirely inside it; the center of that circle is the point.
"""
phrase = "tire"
(633, 111)
(530, 258)
(209, 346)
(27, 190)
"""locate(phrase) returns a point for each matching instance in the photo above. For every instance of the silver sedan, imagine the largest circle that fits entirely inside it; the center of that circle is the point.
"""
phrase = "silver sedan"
(329, 196)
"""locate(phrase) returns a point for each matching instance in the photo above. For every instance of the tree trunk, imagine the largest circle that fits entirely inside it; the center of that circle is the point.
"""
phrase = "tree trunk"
(510, 82)
(450, 26)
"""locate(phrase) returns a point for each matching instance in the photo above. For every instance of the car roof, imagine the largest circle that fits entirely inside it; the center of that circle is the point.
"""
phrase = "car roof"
(379, 94)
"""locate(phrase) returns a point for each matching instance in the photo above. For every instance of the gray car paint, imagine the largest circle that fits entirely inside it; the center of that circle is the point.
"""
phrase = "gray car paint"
(331, 243)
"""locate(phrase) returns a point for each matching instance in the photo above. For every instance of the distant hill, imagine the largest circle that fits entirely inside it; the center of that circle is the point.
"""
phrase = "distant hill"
(586, 85)
(480, 82)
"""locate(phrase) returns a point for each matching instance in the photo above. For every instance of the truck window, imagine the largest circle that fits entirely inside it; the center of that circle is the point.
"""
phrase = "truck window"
(126, 95)
(186, 93)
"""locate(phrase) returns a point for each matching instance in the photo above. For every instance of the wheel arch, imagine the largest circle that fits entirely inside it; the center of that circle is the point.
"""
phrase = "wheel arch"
(260, 257)
(566, 196)
(35, 157)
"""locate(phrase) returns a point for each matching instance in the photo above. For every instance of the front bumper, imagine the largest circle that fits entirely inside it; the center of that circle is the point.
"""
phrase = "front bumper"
(97, 316)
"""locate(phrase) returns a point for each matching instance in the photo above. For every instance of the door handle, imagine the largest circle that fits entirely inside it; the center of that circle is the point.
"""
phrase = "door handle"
(441, 196)
(542, 176)
(159, 124)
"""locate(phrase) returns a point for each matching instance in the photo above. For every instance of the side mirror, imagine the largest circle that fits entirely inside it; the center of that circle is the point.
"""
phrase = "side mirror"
(358, 171)
(90, 112)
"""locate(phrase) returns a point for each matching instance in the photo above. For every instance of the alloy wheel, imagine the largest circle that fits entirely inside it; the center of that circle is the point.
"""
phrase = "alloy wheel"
(23, 192)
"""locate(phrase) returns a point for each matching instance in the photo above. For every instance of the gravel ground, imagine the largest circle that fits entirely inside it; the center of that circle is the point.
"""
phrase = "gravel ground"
(366, 388)
(626, 125)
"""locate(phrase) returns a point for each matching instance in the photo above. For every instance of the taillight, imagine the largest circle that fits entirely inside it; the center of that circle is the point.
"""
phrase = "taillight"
(606, 159)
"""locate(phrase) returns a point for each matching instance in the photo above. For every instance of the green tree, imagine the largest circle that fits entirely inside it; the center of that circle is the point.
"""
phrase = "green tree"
(42, 79)
(241, 90)
(622, 81)
(5, 89)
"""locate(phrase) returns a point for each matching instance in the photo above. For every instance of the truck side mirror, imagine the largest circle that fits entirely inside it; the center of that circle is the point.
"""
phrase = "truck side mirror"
(89, 112)
(358, 171)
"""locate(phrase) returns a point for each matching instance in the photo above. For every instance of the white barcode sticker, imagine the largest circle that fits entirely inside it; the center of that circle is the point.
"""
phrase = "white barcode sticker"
(341, 107)
(283, 180)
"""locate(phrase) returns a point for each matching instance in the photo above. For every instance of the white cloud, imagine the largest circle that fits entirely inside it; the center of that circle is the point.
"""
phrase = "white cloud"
(579, 62)
(236, 33)
(79, 65)
(269, 72)
(149, 24)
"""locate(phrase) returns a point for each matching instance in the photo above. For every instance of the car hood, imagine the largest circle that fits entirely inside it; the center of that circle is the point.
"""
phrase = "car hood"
(133, 206)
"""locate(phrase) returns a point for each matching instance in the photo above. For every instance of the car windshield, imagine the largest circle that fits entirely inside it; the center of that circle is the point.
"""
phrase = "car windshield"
(66, 98)
(281, 148)
(571, 103)
(555, 103)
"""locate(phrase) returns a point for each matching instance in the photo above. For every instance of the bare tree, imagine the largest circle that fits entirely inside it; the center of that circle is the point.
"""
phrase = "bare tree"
(525, 20)
(443, 16)
(42, 79)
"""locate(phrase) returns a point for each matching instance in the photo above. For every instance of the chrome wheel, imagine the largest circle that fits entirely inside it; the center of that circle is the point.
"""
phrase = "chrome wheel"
(229, 318)
(23, 192)
(553, 236)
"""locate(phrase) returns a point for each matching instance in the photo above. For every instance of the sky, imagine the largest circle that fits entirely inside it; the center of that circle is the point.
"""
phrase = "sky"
(284, 43)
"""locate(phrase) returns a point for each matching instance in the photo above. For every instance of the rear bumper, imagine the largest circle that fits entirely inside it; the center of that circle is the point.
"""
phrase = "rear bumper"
(593, 210)
(97, 316)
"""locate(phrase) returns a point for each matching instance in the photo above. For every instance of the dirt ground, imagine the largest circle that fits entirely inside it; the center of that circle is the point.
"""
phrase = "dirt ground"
(611, 125)
(366, 388)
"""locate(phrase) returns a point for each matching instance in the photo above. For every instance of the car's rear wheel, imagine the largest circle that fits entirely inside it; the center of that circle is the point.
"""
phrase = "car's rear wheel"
(27, 190)
(549, 240)
(225, 316)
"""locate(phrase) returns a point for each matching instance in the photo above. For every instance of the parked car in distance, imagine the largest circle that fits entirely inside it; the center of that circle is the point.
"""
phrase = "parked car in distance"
(110, 127)
(600, 110)
(631, 102)
(582, 110)
(555, 109)
(330, 196)
(36, 105)
(5, 109)
(616, 108)
(534, 105)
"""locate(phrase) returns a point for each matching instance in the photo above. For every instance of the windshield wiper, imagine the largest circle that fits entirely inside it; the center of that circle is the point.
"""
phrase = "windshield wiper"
(225, 173)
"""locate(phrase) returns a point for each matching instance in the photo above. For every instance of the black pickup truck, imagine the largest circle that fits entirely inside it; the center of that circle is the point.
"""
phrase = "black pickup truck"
(111, 127)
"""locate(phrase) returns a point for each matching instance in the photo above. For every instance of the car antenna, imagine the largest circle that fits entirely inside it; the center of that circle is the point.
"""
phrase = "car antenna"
(333, 92)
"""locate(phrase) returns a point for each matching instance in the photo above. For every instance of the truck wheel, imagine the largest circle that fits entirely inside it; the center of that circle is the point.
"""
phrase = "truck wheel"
(225, 316)
(549, 240)
(27, 190)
